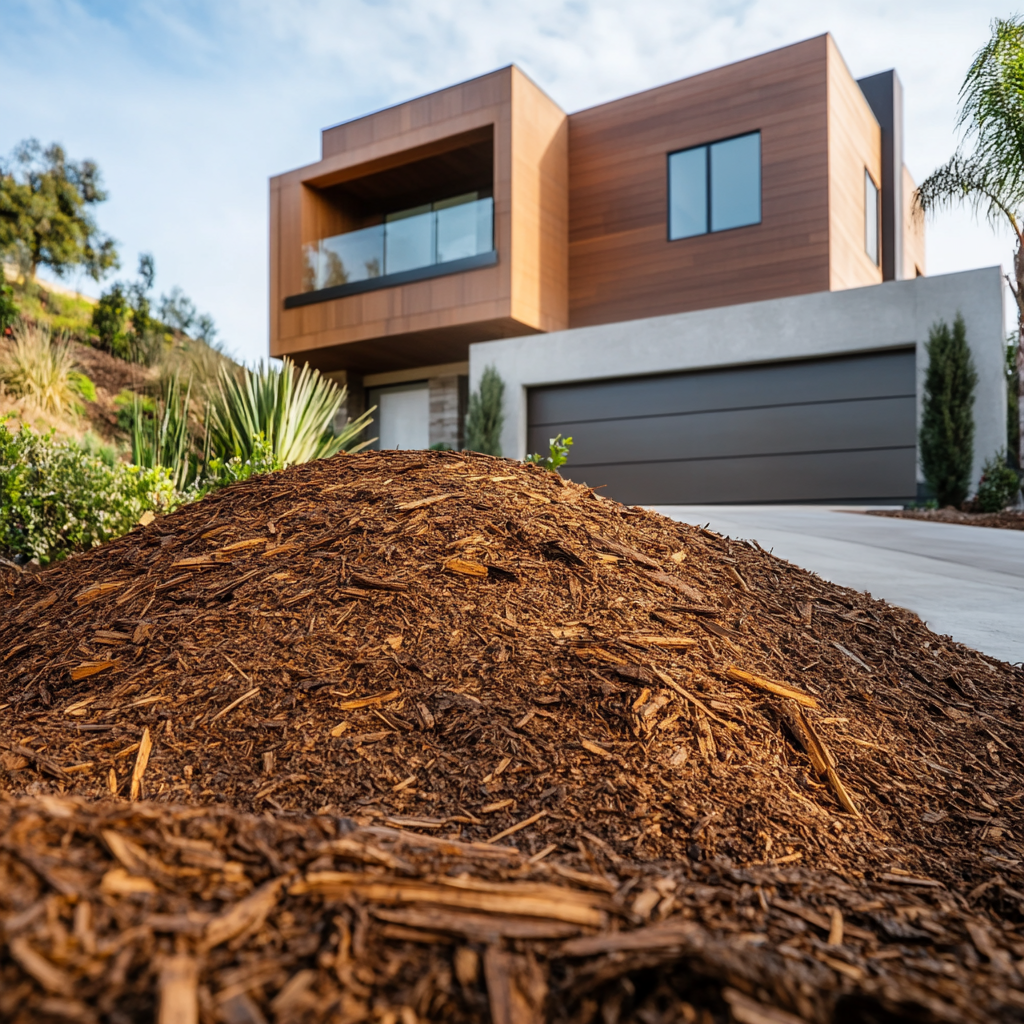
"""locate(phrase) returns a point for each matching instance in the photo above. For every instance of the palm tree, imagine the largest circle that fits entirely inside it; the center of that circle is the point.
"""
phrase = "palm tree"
(990, 178)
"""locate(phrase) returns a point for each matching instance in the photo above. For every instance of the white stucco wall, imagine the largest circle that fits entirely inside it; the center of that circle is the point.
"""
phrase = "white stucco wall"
(891, 315)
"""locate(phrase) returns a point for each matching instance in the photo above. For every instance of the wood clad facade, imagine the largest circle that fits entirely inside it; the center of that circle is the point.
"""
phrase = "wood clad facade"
(431, 320)
(854, 147)
(581, 208)
(622, 264)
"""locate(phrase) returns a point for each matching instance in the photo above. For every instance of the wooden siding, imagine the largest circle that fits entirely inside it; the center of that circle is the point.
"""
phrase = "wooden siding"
(913, 230)
(854, 146)
(385, 329)
(540, 208)
(621, 264)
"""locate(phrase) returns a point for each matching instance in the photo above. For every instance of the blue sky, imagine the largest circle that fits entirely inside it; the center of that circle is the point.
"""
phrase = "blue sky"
(189, 107)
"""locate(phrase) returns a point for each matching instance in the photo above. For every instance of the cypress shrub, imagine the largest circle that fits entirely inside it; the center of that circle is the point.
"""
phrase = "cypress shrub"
(947, 424)
(486, 414)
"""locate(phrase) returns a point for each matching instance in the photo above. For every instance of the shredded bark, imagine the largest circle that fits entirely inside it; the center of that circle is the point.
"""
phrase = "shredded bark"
(476, 670)
(1006, 520)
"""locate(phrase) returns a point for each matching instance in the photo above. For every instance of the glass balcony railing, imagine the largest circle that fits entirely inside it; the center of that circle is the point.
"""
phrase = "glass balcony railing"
(452, 229)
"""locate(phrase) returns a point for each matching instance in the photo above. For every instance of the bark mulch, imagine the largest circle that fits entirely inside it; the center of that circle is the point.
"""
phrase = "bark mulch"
(341, 693)
(1010, 520)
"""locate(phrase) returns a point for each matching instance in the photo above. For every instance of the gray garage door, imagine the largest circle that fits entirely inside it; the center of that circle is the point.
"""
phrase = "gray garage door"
(825, 430)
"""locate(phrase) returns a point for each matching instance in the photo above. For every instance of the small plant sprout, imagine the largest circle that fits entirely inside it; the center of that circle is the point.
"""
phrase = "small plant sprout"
(558, 457)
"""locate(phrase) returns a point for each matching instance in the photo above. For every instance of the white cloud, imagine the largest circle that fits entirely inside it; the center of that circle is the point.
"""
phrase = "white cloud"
(190, 107)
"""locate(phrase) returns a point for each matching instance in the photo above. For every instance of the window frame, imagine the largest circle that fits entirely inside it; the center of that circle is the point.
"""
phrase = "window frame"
(706, 146)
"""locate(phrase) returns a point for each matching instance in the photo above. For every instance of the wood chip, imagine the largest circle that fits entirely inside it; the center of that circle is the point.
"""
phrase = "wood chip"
(737, 675)
(141, 761)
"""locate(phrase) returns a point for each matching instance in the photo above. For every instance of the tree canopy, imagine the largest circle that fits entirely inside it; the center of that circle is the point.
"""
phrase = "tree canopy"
(45, 211)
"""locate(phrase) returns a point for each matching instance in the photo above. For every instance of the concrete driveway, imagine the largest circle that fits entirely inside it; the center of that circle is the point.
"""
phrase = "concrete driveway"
(964, 581)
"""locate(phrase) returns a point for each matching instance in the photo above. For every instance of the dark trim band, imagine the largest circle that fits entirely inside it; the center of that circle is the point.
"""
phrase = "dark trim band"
(341, 291)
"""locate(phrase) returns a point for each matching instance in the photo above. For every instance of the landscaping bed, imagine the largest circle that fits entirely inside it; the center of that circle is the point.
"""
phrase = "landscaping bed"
(1011, 520)
(667, 775)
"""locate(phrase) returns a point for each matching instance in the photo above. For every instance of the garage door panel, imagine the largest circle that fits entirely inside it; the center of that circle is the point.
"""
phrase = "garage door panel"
(793, 428)
(837, 429)
(847, 477)
(879, 375)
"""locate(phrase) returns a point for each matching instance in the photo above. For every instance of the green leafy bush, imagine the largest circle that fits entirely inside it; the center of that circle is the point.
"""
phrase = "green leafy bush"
(486, 414)
(558, 457)
(56, 498)
(262, 459)
(947, 422)
(999, 485)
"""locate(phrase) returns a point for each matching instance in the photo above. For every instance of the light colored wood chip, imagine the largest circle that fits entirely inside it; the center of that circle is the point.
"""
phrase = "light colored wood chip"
(737, 675)
(497, 806)
(179, 990)
(119, 882)
(234, 704)
(194, 562)
(92, 668)
(49, 976)
(408, 506)
(141, 760)
(365, 702)
(736, 577)
(835, 931)
(595, 748)
(516, 828)
(465, 568)
(242, 545)
(95, 592)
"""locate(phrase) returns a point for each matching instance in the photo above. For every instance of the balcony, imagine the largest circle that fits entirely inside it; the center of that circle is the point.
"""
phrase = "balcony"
(443, 237)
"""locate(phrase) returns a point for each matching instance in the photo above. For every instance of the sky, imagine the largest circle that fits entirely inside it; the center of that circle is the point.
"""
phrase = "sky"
(189, 107)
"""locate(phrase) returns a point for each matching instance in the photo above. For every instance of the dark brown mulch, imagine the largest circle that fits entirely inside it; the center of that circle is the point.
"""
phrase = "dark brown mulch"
(473, 649)
(997, 520)
(128, 912)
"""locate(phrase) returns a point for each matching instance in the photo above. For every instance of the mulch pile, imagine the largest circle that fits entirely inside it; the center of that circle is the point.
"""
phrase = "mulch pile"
(407, 735)
(1007, 520)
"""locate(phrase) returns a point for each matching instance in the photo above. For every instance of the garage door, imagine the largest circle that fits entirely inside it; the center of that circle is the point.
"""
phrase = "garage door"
(823, 430)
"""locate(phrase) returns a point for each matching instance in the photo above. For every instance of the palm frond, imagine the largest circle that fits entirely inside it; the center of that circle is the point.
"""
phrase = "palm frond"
(992, 102)
(965, 181)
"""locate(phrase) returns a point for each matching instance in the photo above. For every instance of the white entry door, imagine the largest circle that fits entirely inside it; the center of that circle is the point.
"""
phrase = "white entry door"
(403, 416)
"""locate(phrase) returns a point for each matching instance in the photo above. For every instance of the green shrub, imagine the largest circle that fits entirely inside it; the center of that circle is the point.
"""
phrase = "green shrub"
(8, 310)
(947, 422)
(486, 414)
(57, 498)
(999, 485)
(558, 457)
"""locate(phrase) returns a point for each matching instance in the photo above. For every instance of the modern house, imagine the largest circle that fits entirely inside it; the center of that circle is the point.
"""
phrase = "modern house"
(711, 285)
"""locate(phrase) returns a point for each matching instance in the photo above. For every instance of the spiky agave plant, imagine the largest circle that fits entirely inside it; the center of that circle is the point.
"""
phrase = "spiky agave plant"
(164, 439)
(293, 414)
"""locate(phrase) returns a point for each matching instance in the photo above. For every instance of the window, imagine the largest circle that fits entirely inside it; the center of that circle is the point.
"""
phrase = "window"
(715, 187)
(422, 236)
(870, 218)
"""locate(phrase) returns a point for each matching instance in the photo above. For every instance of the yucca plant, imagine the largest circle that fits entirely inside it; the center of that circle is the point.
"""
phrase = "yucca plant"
(292, 413)
(163, 439)
(42, 370)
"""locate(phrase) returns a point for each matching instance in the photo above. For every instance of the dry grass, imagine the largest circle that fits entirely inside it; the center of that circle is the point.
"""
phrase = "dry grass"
(40, 370)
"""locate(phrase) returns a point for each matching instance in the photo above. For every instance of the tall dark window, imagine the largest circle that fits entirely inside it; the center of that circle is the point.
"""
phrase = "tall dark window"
(715, 187)
(871, 218)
